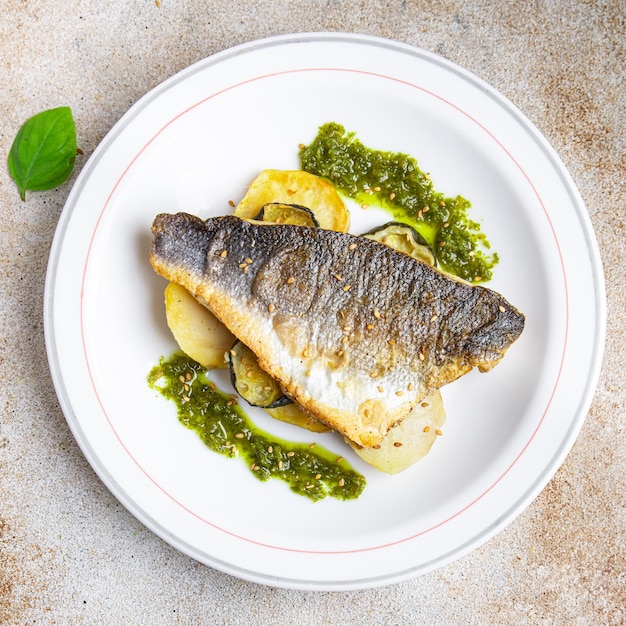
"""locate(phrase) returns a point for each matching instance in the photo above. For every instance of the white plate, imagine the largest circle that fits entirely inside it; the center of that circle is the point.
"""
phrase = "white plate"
(193, 144)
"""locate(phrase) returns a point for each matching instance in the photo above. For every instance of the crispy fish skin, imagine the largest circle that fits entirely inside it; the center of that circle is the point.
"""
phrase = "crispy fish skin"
(355, 331)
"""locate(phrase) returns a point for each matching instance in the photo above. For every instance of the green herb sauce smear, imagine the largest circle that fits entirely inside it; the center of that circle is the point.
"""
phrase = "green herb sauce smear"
(221, 424)
(395, 182)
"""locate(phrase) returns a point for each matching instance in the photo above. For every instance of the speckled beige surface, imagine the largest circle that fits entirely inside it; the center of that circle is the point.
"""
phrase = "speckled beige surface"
(69, 552)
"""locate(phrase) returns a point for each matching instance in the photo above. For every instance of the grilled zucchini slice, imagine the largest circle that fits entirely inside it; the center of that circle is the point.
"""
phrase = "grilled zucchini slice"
(281, 213)
(252, 383)
(404, 238)
(259, 389)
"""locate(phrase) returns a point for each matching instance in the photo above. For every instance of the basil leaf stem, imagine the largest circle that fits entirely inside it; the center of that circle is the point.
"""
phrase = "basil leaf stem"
(44, 150)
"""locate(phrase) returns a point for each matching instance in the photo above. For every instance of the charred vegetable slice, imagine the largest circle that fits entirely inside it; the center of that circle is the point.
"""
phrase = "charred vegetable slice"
(404, 238)
(282, 213)
(252, 383)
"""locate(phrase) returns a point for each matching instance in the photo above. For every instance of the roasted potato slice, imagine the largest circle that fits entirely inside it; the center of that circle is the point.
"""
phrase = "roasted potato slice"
(294, 414)
(296, 187)
(410, 440)
(199, 334)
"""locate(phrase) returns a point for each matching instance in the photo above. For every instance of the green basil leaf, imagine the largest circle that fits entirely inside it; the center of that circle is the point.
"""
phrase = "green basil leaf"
(44, 150)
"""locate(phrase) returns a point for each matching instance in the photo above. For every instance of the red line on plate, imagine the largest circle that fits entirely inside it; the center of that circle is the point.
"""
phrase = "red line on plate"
(231, 88)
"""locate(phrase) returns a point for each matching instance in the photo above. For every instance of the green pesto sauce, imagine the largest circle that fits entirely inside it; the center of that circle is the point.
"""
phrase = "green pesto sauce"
(223, 426)
(395, 182)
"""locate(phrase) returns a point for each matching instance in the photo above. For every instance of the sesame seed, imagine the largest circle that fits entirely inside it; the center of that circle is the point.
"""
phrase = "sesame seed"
(309, 486)
(421, 356)
(433, 318)
(339, 459)
(347, 288)
(231, 203)
(270, 449)
(352, 246)
(290, 453)
(438, 433)
(341, 482)
(442, 244)
(318, 476)
(502, 309)
(181, 378)
(344, 339)
(410, 386)
(374, 375)
(399, 392)
(187, 376)
(377, 188)
(377, 314)
(338, 277)
(380, 388)
(426, 429)
(239, 436)
(397, 444)
(280, 465)
(427, 176)
(376, 447)
(291, 280)
(419, 214)
(242, 266)
(370, 326)
(392, 195)
(391, 342)
(224, 253)
(301, 146)
(271, 308)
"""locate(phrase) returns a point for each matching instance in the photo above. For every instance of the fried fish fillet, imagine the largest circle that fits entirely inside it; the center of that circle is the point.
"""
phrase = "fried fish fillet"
(356, 332)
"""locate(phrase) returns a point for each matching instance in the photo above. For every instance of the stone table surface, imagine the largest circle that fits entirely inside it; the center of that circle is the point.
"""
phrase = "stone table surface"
(70, 553)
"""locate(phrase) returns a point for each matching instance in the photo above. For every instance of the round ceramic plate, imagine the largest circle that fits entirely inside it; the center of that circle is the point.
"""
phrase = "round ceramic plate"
(195, 143)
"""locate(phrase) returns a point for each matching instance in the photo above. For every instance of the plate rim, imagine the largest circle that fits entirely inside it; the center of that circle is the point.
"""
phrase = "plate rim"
(531, 130)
